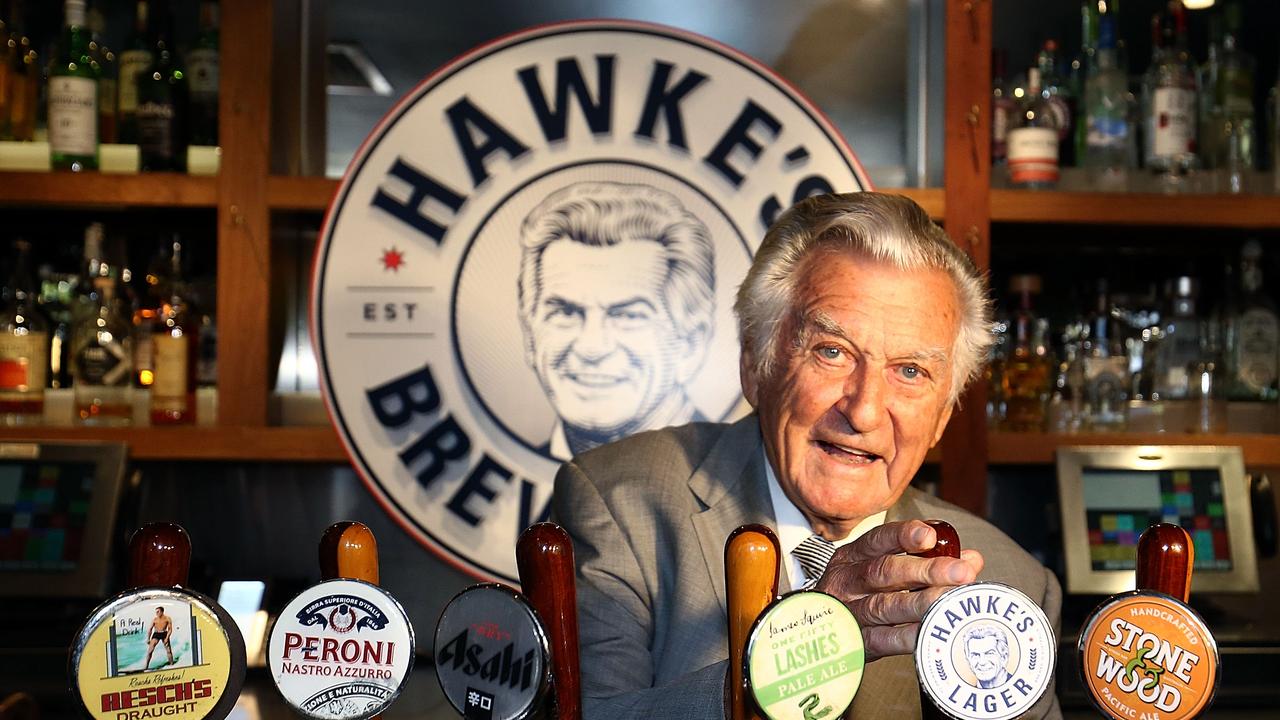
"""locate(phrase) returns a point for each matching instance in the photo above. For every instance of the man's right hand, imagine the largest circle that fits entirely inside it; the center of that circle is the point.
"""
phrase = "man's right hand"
(887, 589)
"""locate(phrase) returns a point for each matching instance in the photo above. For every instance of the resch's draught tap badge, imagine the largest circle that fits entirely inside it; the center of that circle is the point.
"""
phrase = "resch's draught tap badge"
(536, 252)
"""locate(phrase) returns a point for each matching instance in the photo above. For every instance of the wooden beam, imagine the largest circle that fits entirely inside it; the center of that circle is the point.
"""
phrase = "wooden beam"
(64, 189)
(229, 444)
(967, 183)
(244, 234)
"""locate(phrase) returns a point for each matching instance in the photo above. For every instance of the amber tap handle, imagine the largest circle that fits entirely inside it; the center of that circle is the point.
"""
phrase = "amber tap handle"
(751, 557)
(348, 550)
(159, 554)
(1165, 558)
(544, 558)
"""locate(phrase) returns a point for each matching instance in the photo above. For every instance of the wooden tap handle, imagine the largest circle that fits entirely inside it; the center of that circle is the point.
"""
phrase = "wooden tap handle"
(159, 554)
(751, 557)
(348, 550)
(948, 543)
(544, 558)
(1165, 558)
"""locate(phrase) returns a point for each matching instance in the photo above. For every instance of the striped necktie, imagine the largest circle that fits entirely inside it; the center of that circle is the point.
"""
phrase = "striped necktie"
(814, 554)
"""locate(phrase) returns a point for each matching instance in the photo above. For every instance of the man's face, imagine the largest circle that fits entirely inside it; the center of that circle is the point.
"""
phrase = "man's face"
(849, 414)
(984, 658)
(605, 347)
(159, 612)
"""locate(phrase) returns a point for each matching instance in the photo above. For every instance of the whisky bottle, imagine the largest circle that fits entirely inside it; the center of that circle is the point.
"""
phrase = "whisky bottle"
(1252, 334)
(1181, 346)
(175, 353)
(1033, 140)
(1027, 377)
(23, 80)
(105, 58)
(24, 346)
(101, 352)
(202, 74)
(73, 97)
(134, 58)
(162, 102)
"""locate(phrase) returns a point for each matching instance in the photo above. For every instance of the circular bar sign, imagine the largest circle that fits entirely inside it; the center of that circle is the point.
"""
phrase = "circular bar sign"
(536, 252)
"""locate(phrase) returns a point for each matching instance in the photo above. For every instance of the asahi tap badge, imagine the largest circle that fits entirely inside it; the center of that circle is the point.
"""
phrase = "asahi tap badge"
(342, 649)
(492, 654)
(1146, 653)
(159, 651)
(985, 651)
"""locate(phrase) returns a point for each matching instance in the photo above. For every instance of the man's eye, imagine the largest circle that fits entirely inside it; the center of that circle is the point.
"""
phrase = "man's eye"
(911, 372)
(830, 353)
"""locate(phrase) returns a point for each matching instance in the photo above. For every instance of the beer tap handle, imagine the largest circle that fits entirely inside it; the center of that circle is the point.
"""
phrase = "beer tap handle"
(751, 557)
(948, 543)
(544, 558)
(1165, 558)
(159, 555)
(348, 550)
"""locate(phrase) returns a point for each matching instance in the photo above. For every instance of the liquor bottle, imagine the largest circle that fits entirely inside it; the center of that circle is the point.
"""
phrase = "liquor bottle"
(1109, 139)
(1181, 347)
(24, 87)
(134, 59)
(173, 399)
(162, 102)
(1210, 120)
(1033, 140)
(7, 47)
(1234, 96)
(1105, 367)
(105, 58)
(1027, 377)
(202, 73)
(1169, 102)
(1252, 334)
(101, 350)
(1003, 108)
(57, 301)
(73, 97)
(156, 290)
(1062, 100)
(24, 346)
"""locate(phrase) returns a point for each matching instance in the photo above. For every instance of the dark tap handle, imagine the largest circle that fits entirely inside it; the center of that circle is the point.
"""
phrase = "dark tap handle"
(1165, 558)
(159, 554)
(947, 545)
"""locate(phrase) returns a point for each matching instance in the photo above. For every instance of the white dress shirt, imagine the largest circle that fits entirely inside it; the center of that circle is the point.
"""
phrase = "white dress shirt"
(794, 529)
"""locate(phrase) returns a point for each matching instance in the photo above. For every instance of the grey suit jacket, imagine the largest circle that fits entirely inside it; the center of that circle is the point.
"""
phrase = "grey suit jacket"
(649, 516)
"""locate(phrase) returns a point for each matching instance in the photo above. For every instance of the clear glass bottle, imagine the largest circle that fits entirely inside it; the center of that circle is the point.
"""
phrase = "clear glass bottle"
(101, 350)
(1234, 95)
(24, 346)
(1027, 377)
(1181, 345)
(73, 97)
(176, 354)
(1252, 334)
(202, 77)
(1033, 140)
(134, 58)
(1169, 105)
(1106, 369)
(1109, 140)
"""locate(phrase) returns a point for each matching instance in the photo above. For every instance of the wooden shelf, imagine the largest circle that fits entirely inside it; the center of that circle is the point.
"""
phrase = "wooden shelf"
(299, 444)
(92, 189)
(1009, 448)
(1224, 211)
(300, 193)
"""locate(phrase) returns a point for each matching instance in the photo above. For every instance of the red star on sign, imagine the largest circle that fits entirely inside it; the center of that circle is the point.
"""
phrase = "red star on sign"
(392, 259)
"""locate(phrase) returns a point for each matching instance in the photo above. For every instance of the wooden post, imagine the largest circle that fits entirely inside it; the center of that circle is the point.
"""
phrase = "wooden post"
(244, 242)
(967, 180)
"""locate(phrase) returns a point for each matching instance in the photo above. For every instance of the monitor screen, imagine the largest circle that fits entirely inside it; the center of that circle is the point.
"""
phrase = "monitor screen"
(1108, 495)
(58, 504)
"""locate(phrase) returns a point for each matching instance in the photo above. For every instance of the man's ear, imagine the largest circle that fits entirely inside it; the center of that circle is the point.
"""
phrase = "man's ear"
(747, 376)
(942, 422)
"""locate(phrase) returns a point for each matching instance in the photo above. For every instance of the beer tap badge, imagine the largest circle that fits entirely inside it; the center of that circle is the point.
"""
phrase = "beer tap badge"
(986, 651)
(341, 650)
(804, 657)
(158, 653)
(492, 657)
(1144, 654)
(536, 252)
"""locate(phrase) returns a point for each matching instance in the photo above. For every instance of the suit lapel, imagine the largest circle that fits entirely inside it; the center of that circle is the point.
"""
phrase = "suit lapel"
(730, 486)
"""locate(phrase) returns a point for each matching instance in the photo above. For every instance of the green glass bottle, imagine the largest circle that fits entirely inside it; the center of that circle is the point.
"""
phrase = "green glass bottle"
(134, 59)
(202, 74)
(162, 101)
(73, 97)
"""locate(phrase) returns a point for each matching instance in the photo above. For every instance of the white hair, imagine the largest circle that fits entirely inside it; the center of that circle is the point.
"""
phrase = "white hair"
(886, 228)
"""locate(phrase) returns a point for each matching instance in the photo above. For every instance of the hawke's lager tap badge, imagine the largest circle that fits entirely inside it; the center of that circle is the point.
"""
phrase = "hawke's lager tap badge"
(492, 658)
(805, 657)
(536, 252)
(341, 649)
(153, 653)
(1145, 654)
(986, 651)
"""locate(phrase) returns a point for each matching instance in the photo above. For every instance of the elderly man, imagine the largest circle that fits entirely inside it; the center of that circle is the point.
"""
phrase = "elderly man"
(617, 301)
(860, 325)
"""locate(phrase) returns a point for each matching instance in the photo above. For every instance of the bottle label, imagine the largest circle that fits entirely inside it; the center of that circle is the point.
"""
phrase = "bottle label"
(1173, 121)
(102, 364)
(1107, 133)
(24, 362)
(155, 129)
(1257, 354)
(132, 64)
(73, 115)
(171, 358)
(202, 72)
(1033, 155)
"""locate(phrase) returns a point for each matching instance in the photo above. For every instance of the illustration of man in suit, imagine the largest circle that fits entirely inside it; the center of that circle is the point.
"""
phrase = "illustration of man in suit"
(617, 303)
(986, 649)
(860, 323)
